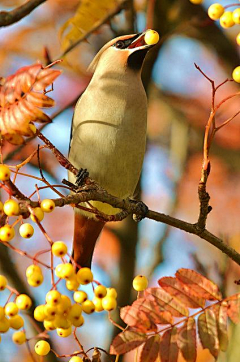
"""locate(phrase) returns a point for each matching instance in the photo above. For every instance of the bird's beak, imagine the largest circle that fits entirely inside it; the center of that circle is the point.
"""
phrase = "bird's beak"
(139, 42)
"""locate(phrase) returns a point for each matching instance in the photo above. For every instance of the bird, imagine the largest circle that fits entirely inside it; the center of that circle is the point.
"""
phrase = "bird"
(108, 135)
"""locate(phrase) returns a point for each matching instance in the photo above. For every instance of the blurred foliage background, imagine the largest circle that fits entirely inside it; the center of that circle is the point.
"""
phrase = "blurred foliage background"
(179, 105)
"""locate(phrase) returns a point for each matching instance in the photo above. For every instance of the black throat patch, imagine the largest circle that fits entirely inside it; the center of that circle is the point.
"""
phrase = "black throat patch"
(135, 60)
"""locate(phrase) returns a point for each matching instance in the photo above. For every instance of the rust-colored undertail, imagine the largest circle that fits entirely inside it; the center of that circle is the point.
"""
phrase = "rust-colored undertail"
(86, 232)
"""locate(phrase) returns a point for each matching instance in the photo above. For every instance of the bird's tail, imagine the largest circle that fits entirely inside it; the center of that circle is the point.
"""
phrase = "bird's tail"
(86, 232)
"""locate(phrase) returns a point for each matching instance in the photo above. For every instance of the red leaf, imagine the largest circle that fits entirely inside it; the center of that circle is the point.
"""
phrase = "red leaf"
(207, 329)
(167, 302)
(136, 318)
(187, 340)
(168, 346)
(150, 349)
(182, 292)
(234, 308)
(127, 341)
(154, 312)
(202, 286)
(222, 326)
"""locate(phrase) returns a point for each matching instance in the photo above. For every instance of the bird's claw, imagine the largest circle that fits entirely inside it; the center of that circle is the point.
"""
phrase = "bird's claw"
(81, 176)
(141, 209)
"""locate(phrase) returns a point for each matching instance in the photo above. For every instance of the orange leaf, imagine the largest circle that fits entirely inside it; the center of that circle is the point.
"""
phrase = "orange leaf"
(222, 326)
(187, 340)
(207, 330)
(182, 292)
(127, 341)
(150, 349)
(234, 308)
(20, 103)
(168, 346)
(167, 302)
(136, 318)
(153, 311)
(200, 285)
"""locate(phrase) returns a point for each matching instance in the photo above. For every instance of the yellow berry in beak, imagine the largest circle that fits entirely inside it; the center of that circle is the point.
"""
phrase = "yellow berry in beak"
(151, 37)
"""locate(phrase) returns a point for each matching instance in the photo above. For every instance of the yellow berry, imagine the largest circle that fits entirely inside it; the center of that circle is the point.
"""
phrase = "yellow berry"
(111, 292)
(11, 309)
(50, 311)
(215, 11)
(75, 311)
(67, 271)
(7, 233)
(1, 206)
(16, 322)
(238, 39)
(236, 74)
(85, 276)
(72, 284)
(80, 296)
(100, 291)
(62, 322)
(88, 307)
(42, 348)
(59, 248)
(77, 321)
(47, 205)
(76, 359)
(98, 304)
(151, 37)
(49, 325)
(39, 314)
(226, 20)
(140, 283)
(35, 279)
(11, 208)
(4, 173)
(197, 2)
(236, 16)
(64, 332)
(58, 270)
(53, 297)
(4, 325)
(23, 302)
(38, 214)
(64, 305)
(3, 282)
(109, 303)
(19, 337)
(32, 269)
(2, 312)
(26, 230)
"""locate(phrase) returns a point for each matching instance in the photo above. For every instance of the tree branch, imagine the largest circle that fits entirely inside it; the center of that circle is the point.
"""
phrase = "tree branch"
(13, 16)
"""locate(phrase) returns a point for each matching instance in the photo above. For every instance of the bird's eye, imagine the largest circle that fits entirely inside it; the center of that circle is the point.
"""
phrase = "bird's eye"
(120, 44)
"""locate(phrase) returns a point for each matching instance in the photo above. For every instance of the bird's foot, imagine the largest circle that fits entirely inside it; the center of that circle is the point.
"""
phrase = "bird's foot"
(141, 209)
(81, 176)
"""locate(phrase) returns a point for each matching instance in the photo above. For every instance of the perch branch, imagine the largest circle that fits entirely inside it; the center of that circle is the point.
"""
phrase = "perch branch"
(13, 16)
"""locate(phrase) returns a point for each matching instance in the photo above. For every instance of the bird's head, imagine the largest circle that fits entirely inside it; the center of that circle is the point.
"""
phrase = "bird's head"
(127, 51)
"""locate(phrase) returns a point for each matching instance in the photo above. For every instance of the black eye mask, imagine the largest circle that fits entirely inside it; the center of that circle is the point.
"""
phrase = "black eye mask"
(124, 44)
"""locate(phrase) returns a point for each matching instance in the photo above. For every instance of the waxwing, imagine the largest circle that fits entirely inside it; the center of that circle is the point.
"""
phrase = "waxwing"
(109, 132)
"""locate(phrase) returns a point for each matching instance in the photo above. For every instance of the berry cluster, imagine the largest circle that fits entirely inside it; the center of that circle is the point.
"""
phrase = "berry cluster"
(9, 314)
(227, 19)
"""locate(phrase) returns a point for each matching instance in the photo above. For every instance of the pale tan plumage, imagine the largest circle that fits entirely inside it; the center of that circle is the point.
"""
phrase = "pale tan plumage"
(109, 132)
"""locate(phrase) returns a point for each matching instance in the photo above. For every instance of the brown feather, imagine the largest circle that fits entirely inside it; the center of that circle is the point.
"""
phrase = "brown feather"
(86, 232)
